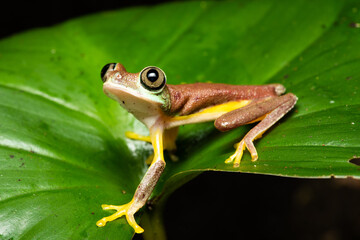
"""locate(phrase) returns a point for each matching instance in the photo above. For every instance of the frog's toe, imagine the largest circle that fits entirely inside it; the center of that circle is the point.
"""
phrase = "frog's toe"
(250, 146)
(254, 157)
(236, 157)
(120, 211)
(102, 222)
(111, 207)
(230, 159)
(131, 220)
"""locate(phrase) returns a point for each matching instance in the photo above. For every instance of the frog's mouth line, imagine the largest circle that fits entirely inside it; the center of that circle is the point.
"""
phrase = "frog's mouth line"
(114, 90)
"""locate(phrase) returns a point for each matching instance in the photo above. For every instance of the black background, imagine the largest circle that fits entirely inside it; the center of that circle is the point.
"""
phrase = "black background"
(17, 16)
(224, 205)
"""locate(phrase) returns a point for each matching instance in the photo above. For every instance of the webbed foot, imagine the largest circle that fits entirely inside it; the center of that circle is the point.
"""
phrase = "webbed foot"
(123, 210)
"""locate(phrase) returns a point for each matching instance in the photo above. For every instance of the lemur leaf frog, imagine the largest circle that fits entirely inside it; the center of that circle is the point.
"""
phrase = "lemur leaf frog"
(163, 108)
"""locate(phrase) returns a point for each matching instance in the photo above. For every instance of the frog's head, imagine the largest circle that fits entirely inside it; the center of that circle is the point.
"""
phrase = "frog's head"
(143, 94)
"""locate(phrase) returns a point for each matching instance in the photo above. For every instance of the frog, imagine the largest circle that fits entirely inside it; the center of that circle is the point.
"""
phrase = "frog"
(163, 108)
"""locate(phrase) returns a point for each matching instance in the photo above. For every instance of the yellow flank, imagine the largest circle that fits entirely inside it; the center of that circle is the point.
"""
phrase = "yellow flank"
(258, 119)
(136, 136)
(217, 109)
(226, 107)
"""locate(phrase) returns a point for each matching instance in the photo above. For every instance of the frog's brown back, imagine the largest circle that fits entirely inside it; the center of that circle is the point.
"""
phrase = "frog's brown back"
(190, 98)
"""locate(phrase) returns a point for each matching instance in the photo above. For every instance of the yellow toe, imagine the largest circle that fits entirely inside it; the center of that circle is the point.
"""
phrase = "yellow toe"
(120, 211)
(254, 157)
(230, 159)
(101, 222)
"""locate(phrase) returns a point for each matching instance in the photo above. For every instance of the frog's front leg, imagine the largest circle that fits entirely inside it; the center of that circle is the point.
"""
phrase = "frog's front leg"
(168, 143)
(145, 187)
(269, 111)
(169, 136)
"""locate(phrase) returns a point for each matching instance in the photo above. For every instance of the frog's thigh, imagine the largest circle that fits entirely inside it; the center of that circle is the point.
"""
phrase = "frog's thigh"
(280, 106)
(170, 136)
(254, 112)
(169, 142)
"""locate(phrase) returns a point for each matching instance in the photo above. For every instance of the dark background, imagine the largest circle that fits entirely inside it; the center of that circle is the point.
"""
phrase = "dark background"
(17, 16)
(224, 205)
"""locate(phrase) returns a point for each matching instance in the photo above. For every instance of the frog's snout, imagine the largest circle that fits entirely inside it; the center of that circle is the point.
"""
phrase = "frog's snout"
(109, 66)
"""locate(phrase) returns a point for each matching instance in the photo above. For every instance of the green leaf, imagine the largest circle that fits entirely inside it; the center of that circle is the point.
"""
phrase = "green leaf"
(62, 147)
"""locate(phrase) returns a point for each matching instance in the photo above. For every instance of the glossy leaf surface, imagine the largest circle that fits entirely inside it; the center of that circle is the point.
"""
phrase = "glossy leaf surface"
(62, 147)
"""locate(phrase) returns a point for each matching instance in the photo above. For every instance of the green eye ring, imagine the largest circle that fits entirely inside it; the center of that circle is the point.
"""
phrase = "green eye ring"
(152, 78)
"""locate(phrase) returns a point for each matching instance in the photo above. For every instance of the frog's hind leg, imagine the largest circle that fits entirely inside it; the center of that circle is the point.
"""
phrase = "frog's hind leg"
(135, 136)
(169, 142)
(269, 111)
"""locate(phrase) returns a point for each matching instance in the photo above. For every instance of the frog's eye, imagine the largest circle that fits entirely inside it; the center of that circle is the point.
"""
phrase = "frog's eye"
(152, 78)
(104, 70)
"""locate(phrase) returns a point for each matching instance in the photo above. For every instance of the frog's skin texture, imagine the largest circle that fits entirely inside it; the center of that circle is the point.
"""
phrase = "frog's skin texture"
(189, 98)
(163, 108)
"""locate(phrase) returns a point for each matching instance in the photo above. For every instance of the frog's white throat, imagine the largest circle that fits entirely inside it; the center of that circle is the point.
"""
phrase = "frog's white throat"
(144, 109)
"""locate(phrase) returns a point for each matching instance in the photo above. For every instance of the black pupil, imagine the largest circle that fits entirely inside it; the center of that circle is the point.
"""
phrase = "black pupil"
(152, 75)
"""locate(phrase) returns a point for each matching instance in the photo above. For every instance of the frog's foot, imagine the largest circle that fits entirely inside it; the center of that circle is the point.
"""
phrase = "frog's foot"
(136, 136)
(121, 211)
(240, 147)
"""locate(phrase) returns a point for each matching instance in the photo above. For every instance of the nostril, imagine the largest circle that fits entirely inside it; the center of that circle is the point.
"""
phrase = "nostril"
(105, 69)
